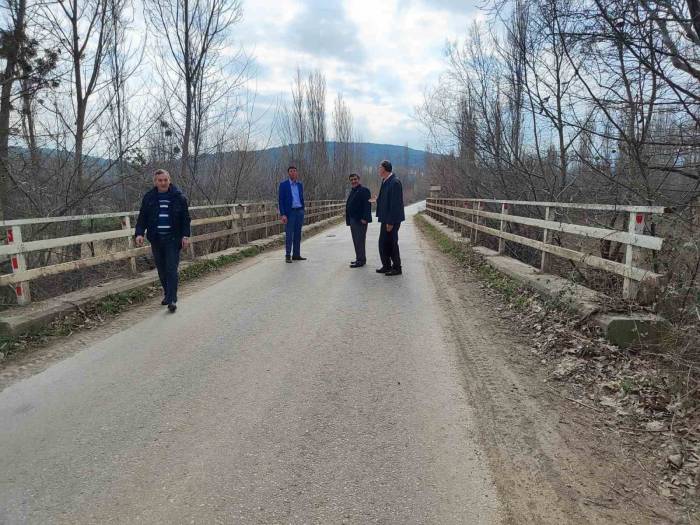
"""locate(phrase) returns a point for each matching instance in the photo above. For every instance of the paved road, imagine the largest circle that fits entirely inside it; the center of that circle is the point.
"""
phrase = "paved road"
(303, 393)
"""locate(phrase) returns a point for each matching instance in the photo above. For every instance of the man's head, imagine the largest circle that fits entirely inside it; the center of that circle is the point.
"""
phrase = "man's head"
(161, 180)
(385, 168)
(293, 173)
(354, 180)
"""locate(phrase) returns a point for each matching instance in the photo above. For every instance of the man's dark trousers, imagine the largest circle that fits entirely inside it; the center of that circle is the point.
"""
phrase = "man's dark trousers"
(166, 254)
(295, 220)
(389, 247)
(359, 235)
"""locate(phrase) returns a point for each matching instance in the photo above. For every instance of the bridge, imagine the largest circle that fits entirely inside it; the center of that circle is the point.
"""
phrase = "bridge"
(306, 393)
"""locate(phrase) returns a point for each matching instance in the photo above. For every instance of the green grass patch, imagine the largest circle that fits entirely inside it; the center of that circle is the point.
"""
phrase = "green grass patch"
(202, 267)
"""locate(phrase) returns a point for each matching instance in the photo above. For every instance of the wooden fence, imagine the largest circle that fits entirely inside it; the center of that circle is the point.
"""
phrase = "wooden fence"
(472, 214)
(235, 219)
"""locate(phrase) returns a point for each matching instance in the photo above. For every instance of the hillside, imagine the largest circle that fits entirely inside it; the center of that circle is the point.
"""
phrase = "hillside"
(370, 152)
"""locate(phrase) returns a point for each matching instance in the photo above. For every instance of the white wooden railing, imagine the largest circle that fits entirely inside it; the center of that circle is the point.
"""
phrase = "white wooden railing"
(472, 214)
(235, 219)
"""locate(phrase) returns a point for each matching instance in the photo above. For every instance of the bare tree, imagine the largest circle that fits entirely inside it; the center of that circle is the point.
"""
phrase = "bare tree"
(26, 65)
(192, 38)
(318, 169)
(344, 155)
(83, 29)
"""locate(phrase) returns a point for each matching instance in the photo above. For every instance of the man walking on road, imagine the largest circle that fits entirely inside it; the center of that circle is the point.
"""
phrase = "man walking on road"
(390, 214)
(291, 206)
(164, 218)
(358, 214)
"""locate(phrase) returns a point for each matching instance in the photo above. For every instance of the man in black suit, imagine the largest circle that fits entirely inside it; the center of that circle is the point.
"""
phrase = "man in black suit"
(390, 214)
(358, 214)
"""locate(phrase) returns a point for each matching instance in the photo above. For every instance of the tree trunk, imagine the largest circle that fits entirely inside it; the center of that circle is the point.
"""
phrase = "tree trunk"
(5, 105)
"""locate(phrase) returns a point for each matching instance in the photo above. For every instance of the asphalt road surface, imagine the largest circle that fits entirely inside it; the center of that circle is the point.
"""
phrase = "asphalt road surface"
(302, 393)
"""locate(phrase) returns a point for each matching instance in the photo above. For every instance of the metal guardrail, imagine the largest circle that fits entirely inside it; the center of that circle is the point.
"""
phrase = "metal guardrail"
(237, 219)
(470, 212)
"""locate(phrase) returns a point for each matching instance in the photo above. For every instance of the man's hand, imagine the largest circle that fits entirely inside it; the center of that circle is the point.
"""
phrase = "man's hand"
(283, 219)
(139, 240)
(373, 199)
(363, 221)
(185, 243)
(389, 227)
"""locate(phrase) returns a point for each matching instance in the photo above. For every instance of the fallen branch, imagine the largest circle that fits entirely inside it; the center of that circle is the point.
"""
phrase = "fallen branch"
(576, 401)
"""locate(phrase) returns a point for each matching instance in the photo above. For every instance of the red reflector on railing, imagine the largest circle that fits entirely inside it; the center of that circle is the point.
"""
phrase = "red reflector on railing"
(18, 291)
(10, 236)
(15, 263)
(640, 218)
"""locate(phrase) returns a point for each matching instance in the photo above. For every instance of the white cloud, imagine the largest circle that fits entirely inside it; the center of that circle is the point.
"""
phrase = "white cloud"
(381, 54)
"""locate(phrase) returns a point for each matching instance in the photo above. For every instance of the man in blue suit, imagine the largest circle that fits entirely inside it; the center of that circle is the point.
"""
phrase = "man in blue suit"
(291, 205)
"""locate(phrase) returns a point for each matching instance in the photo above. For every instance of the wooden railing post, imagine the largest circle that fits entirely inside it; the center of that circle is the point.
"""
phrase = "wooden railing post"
(190, 249)
(232, 222)
(544, 256)
(239, 221)
(503, 226)
(126, 225)
(19, 264)
(264, 218)
(477, 221)
(635, 226)
(244, 223)
(473, 220)
(465, 228)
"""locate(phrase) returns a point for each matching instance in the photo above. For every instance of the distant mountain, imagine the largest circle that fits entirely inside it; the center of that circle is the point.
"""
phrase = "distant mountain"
(371, 153)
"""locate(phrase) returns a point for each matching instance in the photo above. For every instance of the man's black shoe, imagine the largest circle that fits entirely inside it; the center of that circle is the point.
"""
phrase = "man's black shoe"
(393, 271)
(383, 270)
(172, 307)
(357, 265)
(298, 258)
(164, 302)
(288, 259)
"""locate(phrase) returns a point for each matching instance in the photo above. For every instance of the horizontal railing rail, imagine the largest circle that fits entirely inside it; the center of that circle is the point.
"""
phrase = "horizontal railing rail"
(470, 213)
(236, 219)
(113, 215)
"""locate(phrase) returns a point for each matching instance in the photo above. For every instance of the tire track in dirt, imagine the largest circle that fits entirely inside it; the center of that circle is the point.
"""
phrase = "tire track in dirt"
(549, 464)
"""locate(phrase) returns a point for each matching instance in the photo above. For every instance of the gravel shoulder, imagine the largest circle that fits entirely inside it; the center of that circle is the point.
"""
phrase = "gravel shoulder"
(553, 459)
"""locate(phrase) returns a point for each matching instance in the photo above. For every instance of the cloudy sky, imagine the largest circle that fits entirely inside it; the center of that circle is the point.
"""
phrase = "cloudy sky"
(380, 54)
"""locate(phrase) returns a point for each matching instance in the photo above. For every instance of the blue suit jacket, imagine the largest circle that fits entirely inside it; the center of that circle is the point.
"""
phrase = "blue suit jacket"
(285, 196)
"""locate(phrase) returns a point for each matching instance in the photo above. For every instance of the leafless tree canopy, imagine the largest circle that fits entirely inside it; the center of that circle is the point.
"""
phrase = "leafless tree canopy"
(579, 100)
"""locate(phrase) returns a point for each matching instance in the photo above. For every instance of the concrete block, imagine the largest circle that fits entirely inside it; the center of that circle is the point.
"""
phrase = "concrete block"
(579, 299)
(39, 314)
(626, 330)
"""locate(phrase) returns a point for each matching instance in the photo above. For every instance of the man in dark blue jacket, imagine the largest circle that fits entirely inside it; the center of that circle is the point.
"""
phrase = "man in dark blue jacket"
(390, 214)
(291, 207)
(165, 220)
(358, 214)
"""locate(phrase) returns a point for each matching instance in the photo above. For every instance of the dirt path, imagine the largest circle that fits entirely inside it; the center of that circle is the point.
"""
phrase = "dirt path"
(553, 460)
